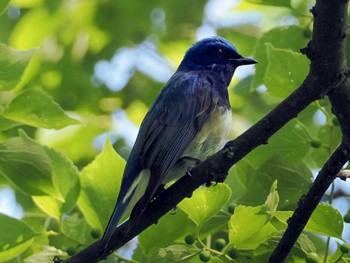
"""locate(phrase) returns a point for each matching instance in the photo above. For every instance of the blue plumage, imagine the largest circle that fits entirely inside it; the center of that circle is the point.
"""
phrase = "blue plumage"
(191, 117)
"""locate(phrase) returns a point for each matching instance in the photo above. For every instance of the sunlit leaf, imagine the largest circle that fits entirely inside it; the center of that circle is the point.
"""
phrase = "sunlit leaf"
(325, 220)
(244, 235)
(206, 202)
(100, 183)
(12, 65)
(35, 108)
(272, 199)
(66, 182)
(15, 237)
(285, 3)
(169, 228)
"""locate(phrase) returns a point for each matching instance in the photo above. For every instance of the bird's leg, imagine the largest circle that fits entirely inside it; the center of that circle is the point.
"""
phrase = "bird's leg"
(191, 159)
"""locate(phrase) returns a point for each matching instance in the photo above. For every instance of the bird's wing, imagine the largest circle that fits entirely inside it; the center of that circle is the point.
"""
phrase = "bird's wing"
(175, 118)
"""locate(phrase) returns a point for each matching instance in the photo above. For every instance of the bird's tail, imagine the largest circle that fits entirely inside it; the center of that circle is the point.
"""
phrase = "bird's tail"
(112, 224)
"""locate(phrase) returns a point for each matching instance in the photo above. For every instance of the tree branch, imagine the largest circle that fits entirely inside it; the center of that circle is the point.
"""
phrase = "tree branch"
(214, 168)
(325, 76)
(308, 204)
(327, 54)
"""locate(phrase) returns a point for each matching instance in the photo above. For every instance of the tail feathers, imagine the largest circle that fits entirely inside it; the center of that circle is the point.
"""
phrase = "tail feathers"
(113, 222)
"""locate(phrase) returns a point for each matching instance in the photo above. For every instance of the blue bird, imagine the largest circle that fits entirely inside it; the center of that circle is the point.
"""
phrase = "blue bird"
(188, 121)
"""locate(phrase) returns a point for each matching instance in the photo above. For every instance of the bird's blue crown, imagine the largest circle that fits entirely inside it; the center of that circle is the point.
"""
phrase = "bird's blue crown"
(208, 51)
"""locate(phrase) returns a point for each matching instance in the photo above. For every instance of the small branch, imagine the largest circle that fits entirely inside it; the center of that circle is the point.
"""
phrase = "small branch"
(308, 203)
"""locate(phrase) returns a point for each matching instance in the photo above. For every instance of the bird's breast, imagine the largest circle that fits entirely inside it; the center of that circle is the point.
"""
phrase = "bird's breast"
(212, 136)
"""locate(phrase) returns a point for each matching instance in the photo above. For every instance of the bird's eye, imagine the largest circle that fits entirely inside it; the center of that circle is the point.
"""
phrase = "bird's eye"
(219, 53)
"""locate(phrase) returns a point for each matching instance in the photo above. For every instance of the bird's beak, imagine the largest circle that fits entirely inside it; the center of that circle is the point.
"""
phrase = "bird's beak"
(244, 61)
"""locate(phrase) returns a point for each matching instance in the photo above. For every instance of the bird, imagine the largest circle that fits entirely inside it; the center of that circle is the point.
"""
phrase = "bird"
(188, 121)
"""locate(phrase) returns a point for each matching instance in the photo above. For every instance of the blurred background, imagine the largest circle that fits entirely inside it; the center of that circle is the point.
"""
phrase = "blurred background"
(105, 61)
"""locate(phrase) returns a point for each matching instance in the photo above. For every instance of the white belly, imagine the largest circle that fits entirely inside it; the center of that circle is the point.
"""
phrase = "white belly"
(210, 139)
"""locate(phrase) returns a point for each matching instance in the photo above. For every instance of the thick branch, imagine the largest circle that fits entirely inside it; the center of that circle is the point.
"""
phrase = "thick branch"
(328, 64)
(214, 168)
(327, 72)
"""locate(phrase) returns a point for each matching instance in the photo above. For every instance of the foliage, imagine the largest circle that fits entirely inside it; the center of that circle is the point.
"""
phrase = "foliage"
(53, 109)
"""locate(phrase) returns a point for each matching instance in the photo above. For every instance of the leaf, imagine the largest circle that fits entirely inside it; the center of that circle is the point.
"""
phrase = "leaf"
(285, 71)
(27, 165)
(46, 255)
(34, 107)
(12, 65)
(66, 182)
(251, 186)
(303, 246)
(75, 140)
(173, 253)
(288, 143)
(249, 227)
(3, 5)
(325, 220)
(285, 3)
(206, 202)
(169, 228)
(77, 229)
(272, 199)
(100, 183)
(291, 37)
(15, 237)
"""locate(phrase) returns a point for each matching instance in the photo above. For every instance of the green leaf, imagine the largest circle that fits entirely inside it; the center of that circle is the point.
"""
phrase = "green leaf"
(15, 237)
(12, 65)
(291, 37)
(244, 235)
(206, 202)
(325, 220)
(27, 165)
(66, 182)
(169, 228)
(251, 186)
(3, 5)
(77, 229)
(285, 3)
(173, 253)
(288, 143)
(100, 183)
(272, 199)
(45, 255)
(34, 107)
(283, 76)
(303, 246)
(75, 140)
(215, 223)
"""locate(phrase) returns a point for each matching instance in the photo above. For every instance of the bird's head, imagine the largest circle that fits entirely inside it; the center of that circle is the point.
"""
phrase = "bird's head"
(213, 52)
